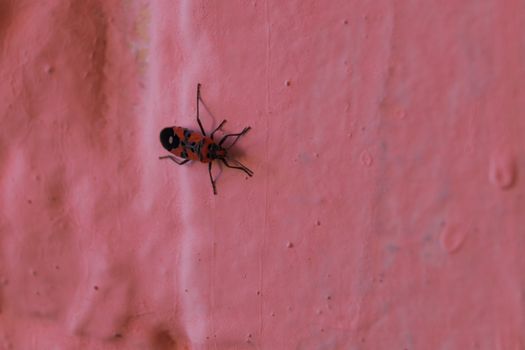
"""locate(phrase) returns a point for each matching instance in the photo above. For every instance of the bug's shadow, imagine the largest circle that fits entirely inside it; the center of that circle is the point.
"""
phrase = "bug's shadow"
(235, 152)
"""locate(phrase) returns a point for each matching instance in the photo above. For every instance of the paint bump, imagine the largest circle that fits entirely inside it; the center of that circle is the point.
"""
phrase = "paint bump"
(452, 238)
(49, 69)
(502, 171)
(366, 158)
(400, 113)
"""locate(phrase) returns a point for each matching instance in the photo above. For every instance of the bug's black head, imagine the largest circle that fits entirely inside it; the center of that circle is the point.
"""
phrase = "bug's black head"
(169, 139)
(216, 151)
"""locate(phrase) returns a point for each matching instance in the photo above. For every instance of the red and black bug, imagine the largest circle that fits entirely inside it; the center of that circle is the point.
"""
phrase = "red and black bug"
(191, 145)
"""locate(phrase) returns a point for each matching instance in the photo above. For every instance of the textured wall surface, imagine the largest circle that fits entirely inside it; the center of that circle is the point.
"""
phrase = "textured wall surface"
(387, 210)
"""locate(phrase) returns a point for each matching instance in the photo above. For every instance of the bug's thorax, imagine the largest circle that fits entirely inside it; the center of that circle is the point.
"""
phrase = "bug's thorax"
(215, 151)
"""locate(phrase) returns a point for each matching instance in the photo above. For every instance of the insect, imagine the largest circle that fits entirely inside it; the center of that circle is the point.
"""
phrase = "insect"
(191, 145)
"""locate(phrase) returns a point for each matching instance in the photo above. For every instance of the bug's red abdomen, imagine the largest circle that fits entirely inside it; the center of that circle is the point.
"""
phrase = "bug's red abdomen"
(192, 145)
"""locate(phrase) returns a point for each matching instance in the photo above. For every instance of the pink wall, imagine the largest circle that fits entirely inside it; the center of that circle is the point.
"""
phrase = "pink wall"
(387, 207)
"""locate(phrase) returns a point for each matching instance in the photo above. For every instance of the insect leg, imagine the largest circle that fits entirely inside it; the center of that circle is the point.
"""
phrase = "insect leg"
(217, 128)
(211, 178)
(198, 118)
(241, 167)
(244, 131)
(175, 160)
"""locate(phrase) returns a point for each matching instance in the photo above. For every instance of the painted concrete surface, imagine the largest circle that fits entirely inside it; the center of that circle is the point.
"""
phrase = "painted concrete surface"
(387, 206)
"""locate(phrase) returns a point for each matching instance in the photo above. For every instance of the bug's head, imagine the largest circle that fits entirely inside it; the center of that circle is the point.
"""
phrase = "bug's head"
(169, 139)
(216, 151)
